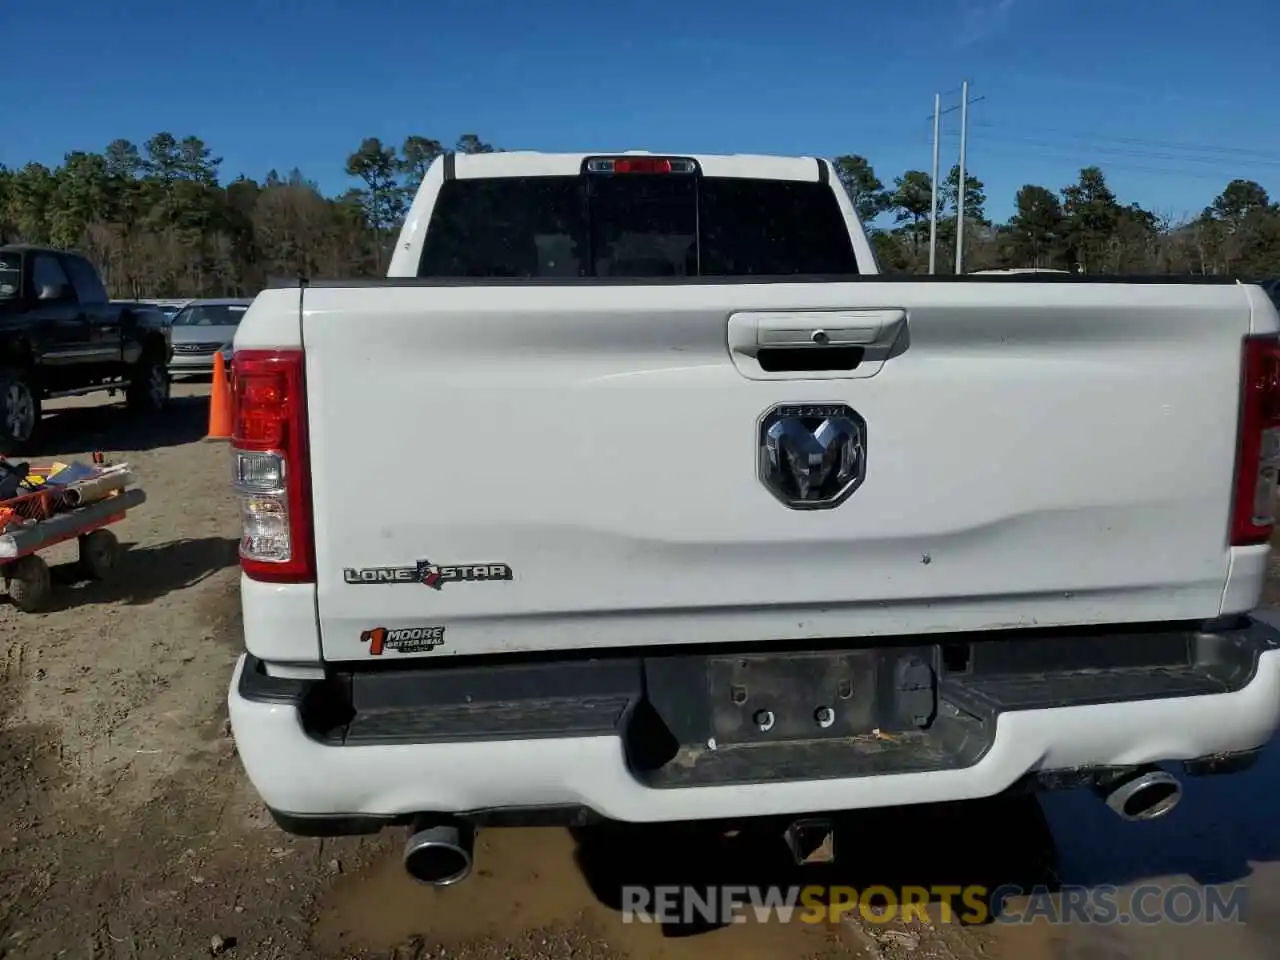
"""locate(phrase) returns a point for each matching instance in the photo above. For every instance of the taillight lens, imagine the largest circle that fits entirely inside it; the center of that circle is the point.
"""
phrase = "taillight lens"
(270, 465)
(1258, 452)
(640, 165)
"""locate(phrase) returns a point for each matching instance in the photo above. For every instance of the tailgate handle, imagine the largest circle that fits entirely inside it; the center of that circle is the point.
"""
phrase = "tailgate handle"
(834, 331)
(781, 344)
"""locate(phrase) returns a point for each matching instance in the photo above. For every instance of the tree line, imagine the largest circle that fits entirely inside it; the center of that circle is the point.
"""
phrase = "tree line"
(159, 222)
(1080, 227)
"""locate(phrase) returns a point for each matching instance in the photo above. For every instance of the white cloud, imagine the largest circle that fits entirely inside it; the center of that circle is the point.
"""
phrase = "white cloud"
(980, 19)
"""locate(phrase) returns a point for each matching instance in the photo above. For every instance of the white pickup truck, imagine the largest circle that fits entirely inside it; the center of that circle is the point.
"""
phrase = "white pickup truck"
(634, 492)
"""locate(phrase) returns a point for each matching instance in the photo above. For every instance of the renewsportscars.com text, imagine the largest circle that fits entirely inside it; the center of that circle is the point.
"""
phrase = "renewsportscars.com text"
(1143, 904)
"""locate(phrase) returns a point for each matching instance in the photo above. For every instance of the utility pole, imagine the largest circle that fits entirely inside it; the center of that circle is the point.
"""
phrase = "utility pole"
(938, 113)
(933, 209)
(964, 136)
(377, 232)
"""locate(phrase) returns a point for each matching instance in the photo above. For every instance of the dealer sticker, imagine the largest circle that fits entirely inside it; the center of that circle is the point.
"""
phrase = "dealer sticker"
(402, 639)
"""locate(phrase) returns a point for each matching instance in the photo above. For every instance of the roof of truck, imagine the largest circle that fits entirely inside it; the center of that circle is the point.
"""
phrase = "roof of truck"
(529, 163)
(1013, 270)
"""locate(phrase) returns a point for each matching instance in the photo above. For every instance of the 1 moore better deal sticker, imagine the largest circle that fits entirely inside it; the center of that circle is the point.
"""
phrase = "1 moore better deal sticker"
(402, 639)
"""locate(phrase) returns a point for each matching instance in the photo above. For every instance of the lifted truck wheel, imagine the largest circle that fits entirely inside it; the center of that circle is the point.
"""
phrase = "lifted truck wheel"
(19, 410)
(29, 583)
(148, 390)
(99, 554)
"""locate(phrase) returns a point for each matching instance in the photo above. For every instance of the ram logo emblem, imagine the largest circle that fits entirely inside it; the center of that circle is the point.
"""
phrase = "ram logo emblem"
(812, 455)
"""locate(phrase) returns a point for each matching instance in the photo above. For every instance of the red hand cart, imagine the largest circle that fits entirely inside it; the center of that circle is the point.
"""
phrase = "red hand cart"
(39, 520)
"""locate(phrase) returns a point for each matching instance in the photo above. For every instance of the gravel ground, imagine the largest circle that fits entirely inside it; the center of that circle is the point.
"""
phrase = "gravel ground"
(127, 828)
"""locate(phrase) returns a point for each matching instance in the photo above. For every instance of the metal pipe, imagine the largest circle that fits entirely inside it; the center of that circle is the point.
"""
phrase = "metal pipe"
(439, 852)
(964, 139)
(933, 201)
(82, 492)
(1141, 794)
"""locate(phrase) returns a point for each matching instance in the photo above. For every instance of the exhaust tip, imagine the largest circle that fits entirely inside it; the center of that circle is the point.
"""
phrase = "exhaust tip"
(811, 841)
(439, 855)
(1145, 794)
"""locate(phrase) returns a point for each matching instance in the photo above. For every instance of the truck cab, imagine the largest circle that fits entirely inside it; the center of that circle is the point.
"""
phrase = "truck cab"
(60, 335)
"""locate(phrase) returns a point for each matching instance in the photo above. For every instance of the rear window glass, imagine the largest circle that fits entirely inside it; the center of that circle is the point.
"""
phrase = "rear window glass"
(10, 275)
(211, 315)
(85, 280)
(636, 227)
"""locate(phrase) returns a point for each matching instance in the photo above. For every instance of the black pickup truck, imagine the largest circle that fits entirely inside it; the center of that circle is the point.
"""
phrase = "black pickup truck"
(61, 336)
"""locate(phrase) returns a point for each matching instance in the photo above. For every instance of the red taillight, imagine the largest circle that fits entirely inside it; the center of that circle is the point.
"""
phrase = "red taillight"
(1258, 446)
(641, 165)
(270, 466)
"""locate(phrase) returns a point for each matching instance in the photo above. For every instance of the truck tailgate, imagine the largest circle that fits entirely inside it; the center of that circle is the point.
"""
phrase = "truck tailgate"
(515, 468)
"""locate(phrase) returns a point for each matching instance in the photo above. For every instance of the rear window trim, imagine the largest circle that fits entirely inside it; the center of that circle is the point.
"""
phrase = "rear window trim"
(294, 283)
(805, 278)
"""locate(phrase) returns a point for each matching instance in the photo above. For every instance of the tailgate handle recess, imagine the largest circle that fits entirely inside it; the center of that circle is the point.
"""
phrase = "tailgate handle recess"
(795, 359)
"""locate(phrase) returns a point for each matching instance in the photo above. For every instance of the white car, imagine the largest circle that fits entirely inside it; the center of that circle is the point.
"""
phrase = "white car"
(634, 491)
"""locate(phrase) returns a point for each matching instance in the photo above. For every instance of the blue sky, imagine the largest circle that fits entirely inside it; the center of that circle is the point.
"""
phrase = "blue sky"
(1173, 98)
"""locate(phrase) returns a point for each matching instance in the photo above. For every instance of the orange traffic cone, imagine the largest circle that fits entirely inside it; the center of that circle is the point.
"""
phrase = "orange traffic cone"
(219, 402)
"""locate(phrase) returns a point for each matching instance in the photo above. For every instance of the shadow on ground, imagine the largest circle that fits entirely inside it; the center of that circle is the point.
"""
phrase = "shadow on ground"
(145, 573)
(109, 426)
(1224, 827)
(1219, 834)
(992, 844)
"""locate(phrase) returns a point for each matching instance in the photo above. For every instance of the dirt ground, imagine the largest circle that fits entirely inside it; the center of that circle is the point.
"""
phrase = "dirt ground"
(128, 830)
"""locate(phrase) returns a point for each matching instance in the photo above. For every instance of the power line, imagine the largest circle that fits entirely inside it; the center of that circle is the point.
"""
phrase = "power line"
(1179, 159)
(953, 109)
(1078, 159)
(1144, 154)
(1040, 81)
(1192, 167)
(1140, 141)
